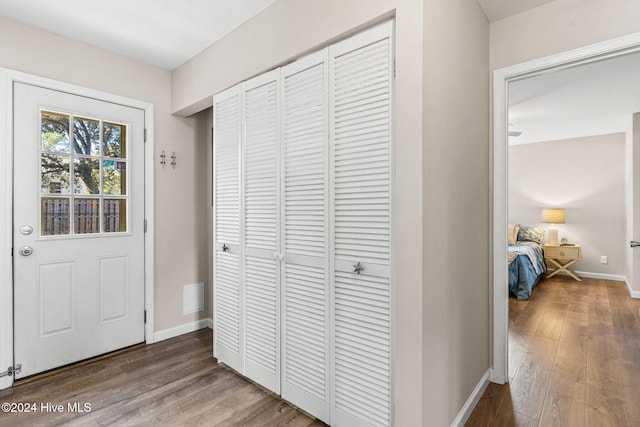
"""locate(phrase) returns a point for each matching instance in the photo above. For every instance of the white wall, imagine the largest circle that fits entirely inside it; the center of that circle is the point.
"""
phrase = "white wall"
(179, 224)
(441, 320)
(586, 176)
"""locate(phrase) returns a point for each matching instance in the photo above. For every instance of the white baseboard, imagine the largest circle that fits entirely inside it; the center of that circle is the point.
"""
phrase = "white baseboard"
(472, 401)
(632, 293)
(183, 329)
(614, 277)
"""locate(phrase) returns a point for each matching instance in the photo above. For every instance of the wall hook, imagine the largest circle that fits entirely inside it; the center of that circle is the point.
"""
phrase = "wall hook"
(163, 159)
(173, 159)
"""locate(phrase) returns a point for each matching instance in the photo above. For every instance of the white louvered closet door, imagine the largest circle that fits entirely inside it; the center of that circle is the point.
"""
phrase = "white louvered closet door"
(227, 314)
(305, 299)
(260, 146)
(360, 115)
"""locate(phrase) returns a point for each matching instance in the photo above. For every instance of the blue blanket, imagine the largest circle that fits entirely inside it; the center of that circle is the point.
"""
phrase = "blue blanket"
(526, 266)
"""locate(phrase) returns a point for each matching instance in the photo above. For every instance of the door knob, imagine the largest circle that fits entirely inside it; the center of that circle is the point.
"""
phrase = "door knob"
(26, 250)
(634, 244)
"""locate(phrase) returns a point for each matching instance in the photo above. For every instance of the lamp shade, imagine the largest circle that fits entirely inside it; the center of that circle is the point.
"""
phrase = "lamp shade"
(554, 216)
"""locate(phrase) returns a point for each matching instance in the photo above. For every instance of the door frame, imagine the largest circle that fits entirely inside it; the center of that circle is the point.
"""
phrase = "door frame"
(7, 79)
(501, 79)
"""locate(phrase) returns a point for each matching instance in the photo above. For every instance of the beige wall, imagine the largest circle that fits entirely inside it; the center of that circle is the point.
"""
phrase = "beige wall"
(282, 32)
(586, 176)
(179, 231)
(559, 26)
(441, 322)
(205, 141)
(455, 205)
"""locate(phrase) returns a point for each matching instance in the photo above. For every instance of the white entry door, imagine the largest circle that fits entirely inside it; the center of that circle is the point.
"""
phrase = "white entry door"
(78, 228)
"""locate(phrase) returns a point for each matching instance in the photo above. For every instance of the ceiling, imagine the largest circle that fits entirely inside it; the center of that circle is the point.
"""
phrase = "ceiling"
(500, 9)
(163, 33)
(589, 100)
(593, 99)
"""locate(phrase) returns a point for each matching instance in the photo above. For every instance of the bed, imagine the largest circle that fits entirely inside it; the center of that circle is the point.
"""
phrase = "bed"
(526, 260)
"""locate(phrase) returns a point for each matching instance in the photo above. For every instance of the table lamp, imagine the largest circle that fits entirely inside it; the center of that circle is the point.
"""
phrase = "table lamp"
(553, 216)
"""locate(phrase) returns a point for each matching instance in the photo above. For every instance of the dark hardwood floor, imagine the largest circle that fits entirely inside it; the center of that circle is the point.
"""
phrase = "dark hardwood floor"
(574, 355)
(172, 383)
(574, 359)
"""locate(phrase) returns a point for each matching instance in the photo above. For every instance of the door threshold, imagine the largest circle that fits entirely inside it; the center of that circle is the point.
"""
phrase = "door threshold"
(83, 362)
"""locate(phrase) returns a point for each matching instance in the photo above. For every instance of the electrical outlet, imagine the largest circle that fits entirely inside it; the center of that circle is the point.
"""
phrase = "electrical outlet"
(604, 259)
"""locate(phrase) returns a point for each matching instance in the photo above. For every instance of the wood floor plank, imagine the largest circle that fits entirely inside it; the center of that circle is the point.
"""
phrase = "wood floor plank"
(487, 408)
(550, 325)
(506, 417)
(606, 405)
(571, 361)
(565, 403)
(529, 386)
(518, 346)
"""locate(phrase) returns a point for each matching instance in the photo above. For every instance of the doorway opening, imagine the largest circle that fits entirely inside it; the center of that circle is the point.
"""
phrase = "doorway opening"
(503, 78)
(9, 80)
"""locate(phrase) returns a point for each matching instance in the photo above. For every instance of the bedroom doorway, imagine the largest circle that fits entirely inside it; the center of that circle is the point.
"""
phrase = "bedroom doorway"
(503, 81)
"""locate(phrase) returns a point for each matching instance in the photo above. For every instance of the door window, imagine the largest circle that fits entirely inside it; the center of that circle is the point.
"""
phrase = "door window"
(83, 179)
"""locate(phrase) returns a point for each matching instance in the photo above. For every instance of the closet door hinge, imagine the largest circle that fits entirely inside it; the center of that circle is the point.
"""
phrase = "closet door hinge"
(145, 225)
(394, 67)
(145, 135)
(12, 370)
(145, 316)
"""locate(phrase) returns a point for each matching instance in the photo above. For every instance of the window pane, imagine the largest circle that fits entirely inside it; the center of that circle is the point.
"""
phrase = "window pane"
(114, 177)
(114, 140)
(115, 215)
(54, 132)
(86, 136)
(86, 216)
(87, 174)
(55, 174)
(55, 216)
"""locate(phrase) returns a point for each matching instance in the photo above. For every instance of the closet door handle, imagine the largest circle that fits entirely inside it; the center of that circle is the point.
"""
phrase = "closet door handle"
(357, 268)
(225, 248)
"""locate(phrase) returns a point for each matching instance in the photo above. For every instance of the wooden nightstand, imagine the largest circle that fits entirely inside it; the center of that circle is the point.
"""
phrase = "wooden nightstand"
(563, 257)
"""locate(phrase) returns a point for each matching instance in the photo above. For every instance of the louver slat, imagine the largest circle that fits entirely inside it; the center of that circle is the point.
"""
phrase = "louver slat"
(305, 333)
(260, 111)
(361, 141)
(227, 293)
